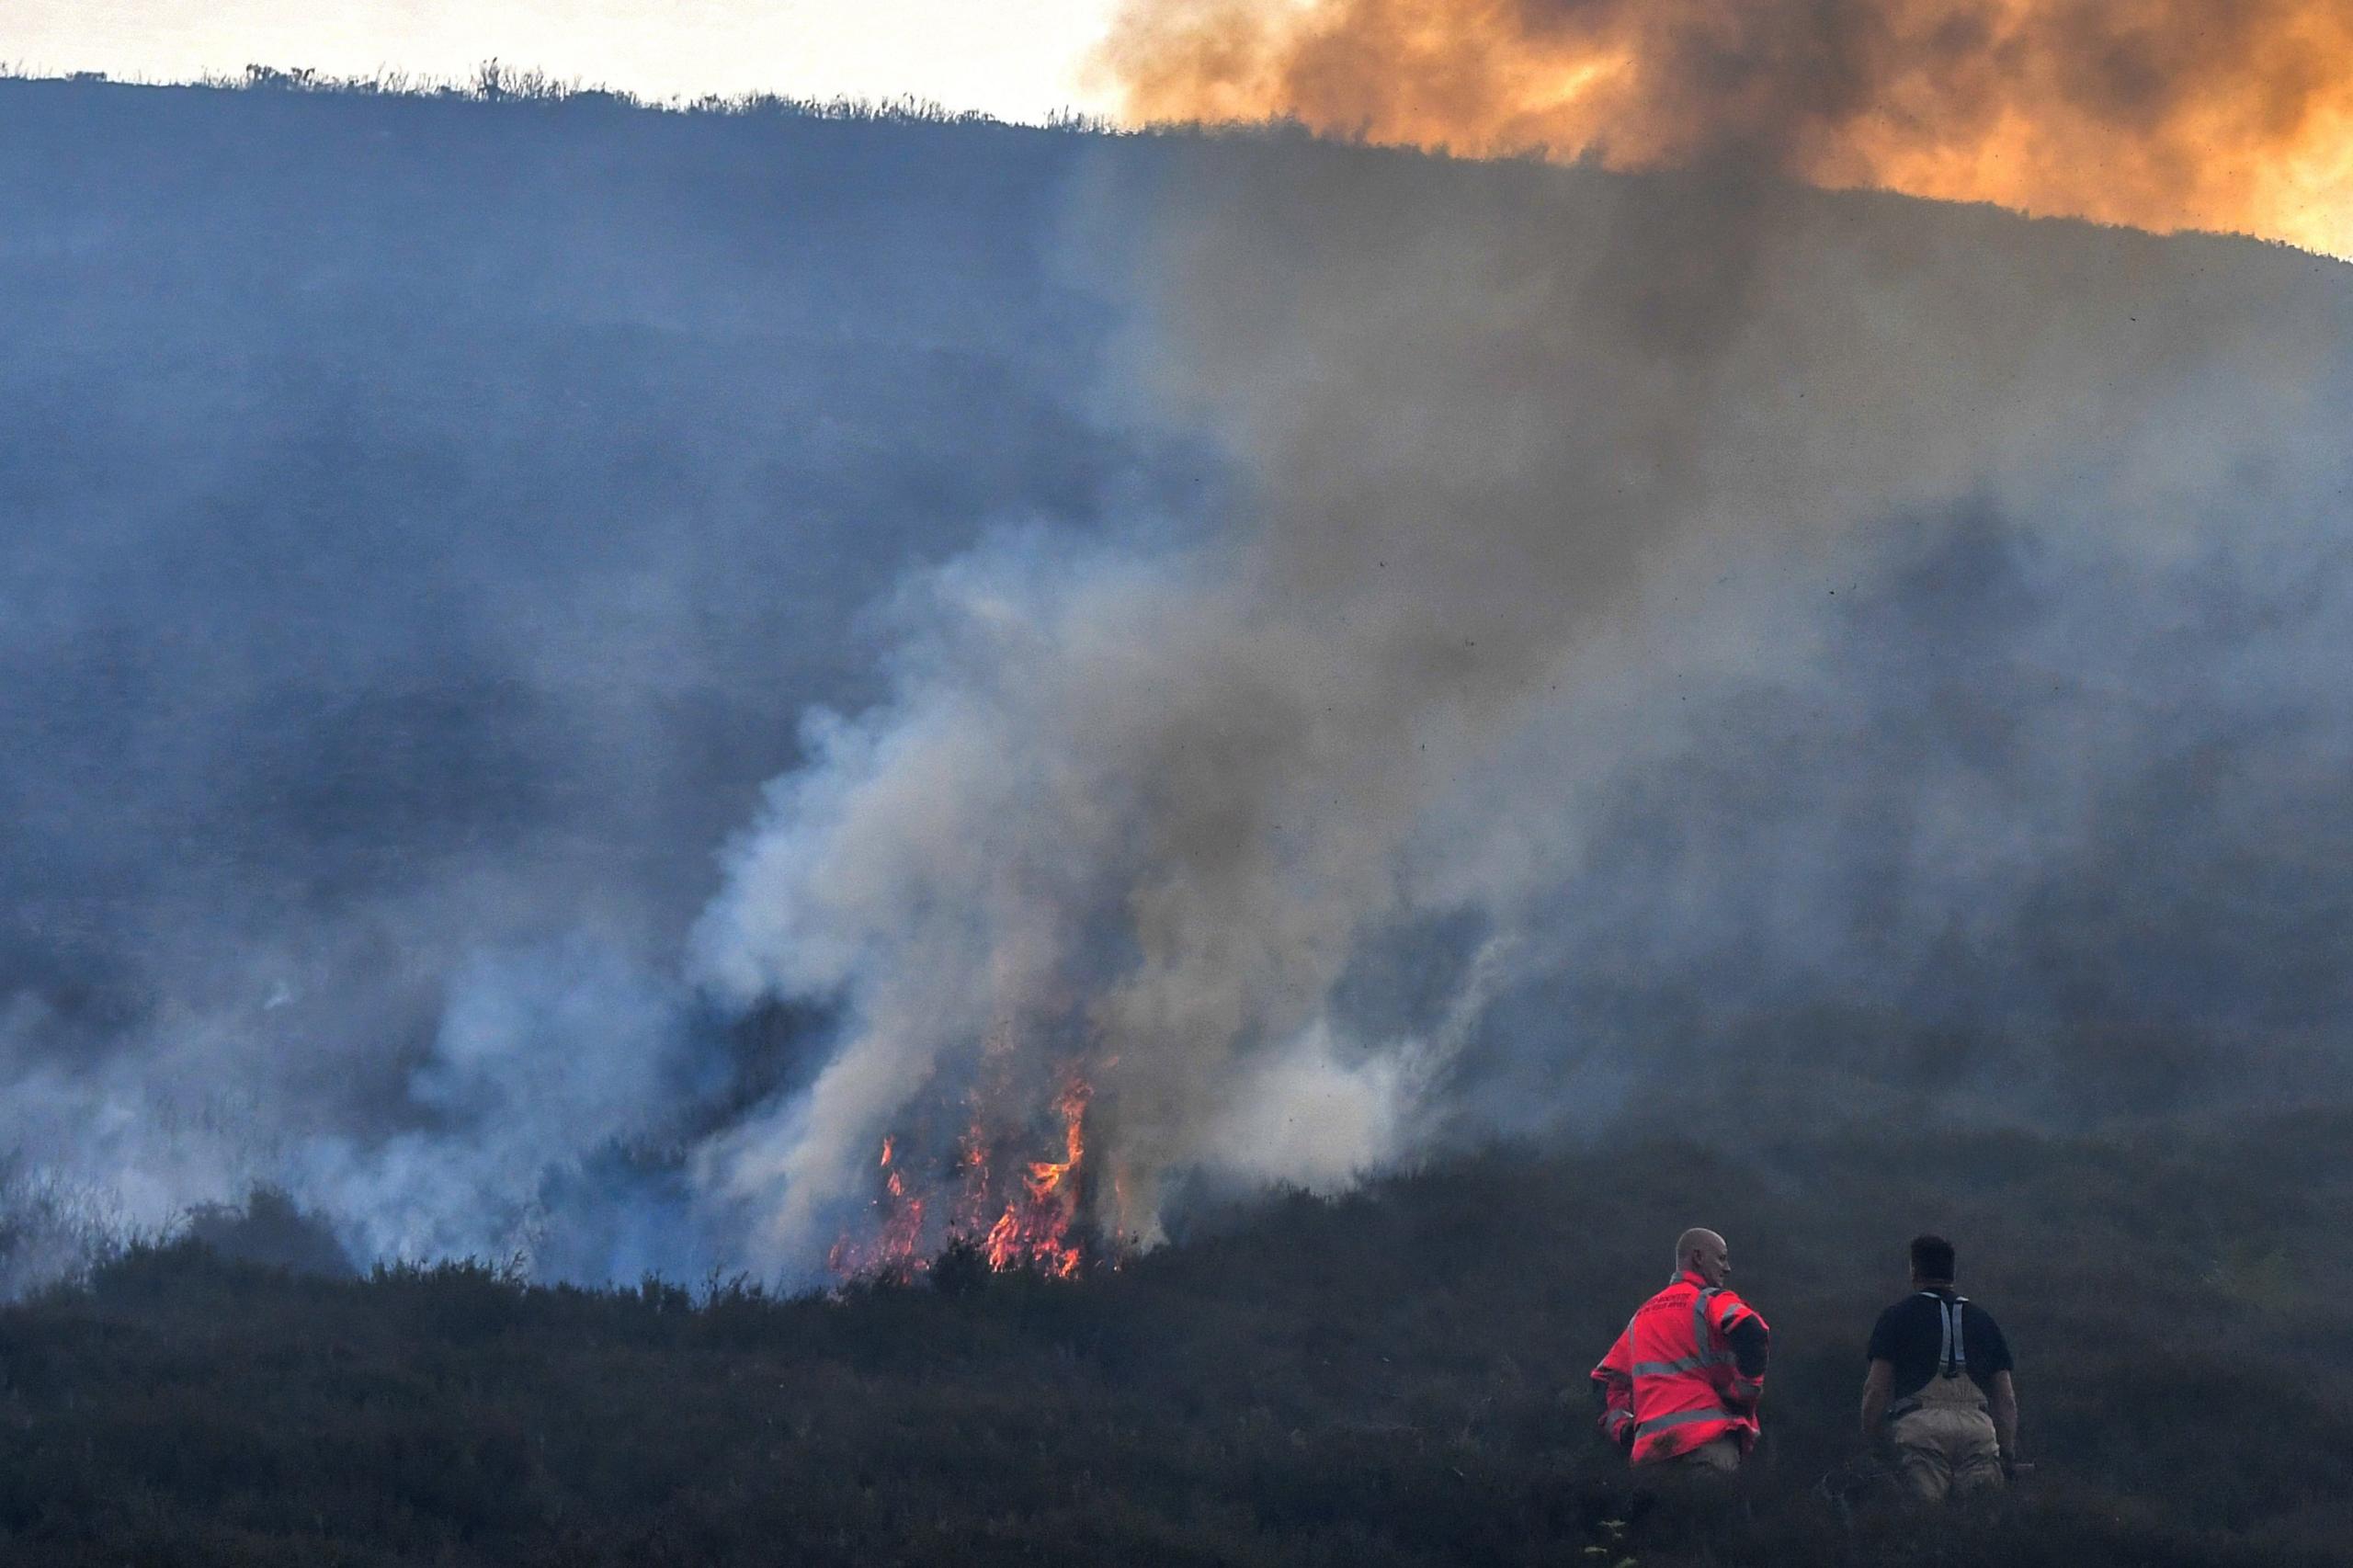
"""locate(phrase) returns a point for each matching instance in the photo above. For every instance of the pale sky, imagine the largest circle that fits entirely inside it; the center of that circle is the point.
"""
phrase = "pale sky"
(1017, 59)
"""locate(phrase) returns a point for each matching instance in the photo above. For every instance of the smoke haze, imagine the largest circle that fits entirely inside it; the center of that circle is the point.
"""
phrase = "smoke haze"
(1524, 666)
(1345, 654)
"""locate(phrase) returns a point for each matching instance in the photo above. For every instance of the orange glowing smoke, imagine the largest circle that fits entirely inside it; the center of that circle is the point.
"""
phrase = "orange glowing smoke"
(2232, 115)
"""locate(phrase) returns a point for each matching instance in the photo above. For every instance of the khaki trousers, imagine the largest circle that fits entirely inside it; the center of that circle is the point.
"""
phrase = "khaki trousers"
(1946, 1447)
(1718, 1460)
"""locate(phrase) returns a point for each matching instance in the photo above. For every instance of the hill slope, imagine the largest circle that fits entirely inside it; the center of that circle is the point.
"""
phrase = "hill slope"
(1425, 649)
(1394, 1377)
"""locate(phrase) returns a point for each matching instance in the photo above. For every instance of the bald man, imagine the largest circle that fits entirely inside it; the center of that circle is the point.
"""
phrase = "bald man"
(1680, 1388)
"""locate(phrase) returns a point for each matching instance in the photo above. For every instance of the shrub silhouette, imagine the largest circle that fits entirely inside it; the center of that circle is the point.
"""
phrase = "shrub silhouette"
(960, 1269)
(1389, 1378)
(271, 1230)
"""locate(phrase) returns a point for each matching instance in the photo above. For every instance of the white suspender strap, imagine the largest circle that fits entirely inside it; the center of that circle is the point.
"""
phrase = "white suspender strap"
(1952, 1355)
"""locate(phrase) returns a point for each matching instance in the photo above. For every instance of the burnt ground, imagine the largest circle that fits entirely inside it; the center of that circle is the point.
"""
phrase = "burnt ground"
(1391, 1377)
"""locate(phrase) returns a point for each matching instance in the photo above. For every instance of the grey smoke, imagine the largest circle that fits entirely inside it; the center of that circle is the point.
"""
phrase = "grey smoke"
(1529, 626)
(1362, 653)
(425, 523)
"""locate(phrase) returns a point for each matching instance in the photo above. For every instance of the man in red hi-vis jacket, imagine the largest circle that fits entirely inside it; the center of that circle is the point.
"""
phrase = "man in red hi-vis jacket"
(1680, 1387)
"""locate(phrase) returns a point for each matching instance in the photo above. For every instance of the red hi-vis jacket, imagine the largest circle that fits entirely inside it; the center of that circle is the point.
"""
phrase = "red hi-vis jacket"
(1673, 1376)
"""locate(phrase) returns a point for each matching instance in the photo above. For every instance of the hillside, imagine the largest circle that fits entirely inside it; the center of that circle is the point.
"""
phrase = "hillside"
(574, 673)
(1394, 1377)
(398, 466)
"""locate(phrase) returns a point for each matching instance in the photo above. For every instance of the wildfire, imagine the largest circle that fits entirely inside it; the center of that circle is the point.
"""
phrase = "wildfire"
(2162, 114)
(1039, 1225)
(895, 1251)
(1035, 1229)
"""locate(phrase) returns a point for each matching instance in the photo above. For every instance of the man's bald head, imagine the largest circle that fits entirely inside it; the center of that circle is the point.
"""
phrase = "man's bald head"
(1703, 1252)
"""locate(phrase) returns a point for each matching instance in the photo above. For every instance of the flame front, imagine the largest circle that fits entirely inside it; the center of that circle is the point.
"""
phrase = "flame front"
(1038, 1223)
(1036, 1228)
(2162, 114)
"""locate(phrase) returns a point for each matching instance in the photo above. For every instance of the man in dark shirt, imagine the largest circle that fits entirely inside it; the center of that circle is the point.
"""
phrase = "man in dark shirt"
(1939, 1378)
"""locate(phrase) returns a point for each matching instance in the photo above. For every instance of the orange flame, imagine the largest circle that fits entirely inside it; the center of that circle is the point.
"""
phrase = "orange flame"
(2162, 114)
(896, 1250)
(1039, 1225)
(1036, 1229)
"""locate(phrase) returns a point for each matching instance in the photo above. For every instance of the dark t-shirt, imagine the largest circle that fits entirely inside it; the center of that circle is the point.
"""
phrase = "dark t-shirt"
(1911, 1334)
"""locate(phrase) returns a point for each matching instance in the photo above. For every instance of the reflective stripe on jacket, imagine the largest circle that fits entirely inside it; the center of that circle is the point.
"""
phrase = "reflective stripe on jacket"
(1672, 1373)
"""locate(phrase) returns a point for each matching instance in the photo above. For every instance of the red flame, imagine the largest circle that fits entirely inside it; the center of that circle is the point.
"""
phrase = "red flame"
(896, 1250)
(1035, 1222)
(1035, 1228)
